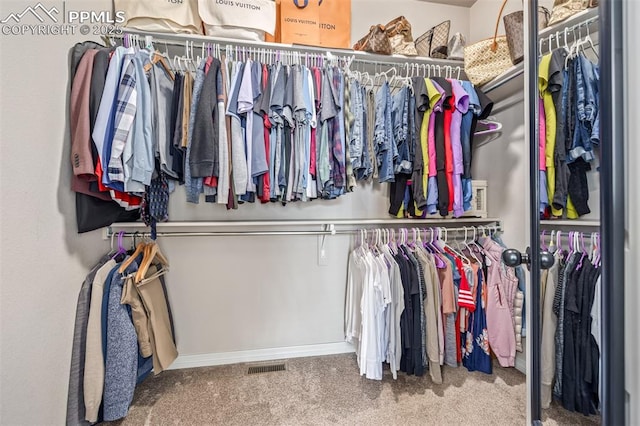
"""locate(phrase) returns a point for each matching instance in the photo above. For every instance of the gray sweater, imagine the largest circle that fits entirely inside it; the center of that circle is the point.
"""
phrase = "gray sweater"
(203, 159)
(121, 364)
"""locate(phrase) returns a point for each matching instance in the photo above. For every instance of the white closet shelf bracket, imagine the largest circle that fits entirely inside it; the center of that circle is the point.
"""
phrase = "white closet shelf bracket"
(293, 227)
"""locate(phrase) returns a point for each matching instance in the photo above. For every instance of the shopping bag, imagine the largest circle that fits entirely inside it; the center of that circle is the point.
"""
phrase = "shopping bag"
(238, 19)
(161, 16)
(325, 23)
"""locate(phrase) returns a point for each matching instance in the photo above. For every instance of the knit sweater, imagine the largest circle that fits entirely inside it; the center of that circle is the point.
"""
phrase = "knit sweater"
(203, 160)
(121, 369)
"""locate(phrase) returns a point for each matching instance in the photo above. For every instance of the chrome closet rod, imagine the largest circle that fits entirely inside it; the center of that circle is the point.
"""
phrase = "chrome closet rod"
(454, 232)
(565, 234)
(257, 47)
(319, 222)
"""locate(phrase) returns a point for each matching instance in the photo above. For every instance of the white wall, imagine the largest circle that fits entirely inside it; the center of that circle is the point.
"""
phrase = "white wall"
(43, 260)
(503, 164)
(226, 294)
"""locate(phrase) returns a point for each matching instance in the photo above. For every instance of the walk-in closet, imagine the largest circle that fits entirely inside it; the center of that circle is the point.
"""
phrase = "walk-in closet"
(337, 212)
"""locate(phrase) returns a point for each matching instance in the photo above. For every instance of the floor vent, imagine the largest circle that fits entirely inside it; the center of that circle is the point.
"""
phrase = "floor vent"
(266, 368)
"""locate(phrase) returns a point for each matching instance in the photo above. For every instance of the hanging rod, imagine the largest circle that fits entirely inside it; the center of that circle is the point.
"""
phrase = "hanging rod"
(358, 56)
(567, 35)
(565, 234)
(455, 232)
(327, 227)
(570, 223)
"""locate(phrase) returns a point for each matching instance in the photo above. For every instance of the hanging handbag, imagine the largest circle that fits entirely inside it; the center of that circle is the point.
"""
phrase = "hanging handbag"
(562, 9)
(399, 34)
(456, 47)
(376, 41)
(161, 16)
(246, 20)
(433, 43)
(487, 59)
(514, 28)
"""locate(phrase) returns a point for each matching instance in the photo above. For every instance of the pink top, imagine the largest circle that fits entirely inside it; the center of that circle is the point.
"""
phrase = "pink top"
(542, 143)
(433, 171)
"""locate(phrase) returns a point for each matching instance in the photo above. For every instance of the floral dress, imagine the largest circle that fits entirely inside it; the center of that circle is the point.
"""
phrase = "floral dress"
(476, 353)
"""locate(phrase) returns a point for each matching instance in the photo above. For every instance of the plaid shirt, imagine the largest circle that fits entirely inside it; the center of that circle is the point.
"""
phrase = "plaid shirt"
(126, 105)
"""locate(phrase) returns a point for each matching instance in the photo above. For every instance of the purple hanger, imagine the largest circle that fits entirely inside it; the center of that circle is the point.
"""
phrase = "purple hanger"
(121, 249)
(584, 253)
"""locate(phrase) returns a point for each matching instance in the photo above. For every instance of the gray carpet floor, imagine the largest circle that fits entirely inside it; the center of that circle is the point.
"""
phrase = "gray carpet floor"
(328, 391)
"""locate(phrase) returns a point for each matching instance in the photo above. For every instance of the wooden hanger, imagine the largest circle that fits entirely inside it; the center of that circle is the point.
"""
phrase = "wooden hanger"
(152, 251)
(158, 57)
(141, 246)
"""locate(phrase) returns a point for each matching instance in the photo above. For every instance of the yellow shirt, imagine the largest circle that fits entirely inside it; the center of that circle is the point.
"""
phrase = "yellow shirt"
(550, 136)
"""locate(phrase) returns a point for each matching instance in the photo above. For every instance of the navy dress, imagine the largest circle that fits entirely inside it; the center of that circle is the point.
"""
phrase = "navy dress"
(476, 354)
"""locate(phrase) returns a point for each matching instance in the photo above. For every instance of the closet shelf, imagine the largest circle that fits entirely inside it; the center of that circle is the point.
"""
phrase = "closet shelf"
(260, 46)
(291, 227)
(511, 81)
(570, 223)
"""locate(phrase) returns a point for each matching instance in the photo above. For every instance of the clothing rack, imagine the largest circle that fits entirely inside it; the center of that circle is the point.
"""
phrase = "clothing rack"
(273, 52)
(569, 224)
(565, 234)
(284, 228)
(567, 34)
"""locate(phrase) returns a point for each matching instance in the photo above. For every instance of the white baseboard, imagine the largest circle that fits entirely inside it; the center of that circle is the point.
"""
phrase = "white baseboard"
(224, 358)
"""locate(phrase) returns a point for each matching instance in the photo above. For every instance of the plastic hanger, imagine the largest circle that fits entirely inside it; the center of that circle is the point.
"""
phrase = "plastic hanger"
(587, 40)
(440, 263)
(494, 127)
(460, 249)
(559, 240)
(474, 239)
(122, 251)
(583, 249)
(445, 245)
(540, 43)
(598, 250)
(571, 243)
(551, 242)
(392, 241)
(466, 243)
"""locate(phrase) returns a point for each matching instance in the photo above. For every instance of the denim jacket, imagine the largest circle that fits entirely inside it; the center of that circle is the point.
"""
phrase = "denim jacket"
(385, 147)
(586, 107)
